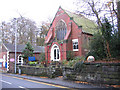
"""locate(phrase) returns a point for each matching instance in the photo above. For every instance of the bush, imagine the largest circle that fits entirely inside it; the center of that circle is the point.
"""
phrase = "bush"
(97, 48)
(78, 66)
(32, 63)
(70, 55)
(42, 57)
(71, 63)
(64, 62)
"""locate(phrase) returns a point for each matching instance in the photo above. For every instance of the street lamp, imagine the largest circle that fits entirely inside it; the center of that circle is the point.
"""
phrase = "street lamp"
(15, 41)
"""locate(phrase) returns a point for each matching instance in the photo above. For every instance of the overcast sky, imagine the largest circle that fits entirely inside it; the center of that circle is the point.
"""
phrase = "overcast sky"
(36, 10)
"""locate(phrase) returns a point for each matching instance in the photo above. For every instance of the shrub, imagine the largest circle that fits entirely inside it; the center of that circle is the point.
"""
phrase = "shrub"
(27, 52)
(70, 55)
(42, 57)
(64, 62)
(78, 66)
(31, 63)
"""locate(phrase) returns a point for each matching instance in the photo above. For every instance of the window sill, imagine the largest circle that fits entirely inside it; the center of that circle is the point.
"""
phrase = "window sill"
(75, 50)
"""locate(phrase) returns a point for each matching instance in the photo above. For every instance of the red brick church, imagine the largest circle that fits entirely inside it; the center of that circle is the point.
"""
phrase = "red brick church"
(68, 32)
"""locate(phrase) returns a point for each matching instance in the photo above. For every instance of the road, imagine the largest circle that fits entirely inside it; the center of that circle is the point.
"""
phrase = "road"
(16, 82)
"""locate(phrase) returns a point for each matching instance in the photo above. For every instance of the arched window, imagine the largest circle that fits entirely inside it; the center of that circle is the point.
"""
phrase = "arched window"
(20, 60)
(55, 53)
(61, 30)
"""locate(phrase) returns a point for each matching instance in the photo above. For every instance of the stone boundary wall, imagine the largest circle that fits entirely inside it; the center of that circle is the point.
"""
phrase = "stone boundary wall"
(50, 72)
(99, 73)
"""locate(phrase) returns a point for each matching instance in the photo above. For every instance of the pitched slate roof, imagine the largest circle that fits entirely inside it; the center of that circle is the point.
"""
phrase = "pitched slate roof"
(20, 48)
(88, 26)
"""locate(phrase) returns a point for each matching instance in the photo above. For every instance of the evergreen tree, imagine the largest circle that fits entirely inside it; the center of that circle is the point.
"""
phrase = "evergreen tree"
(100, 43)
(106, 30)
(115, 45)
(97, 47)
(27, 52)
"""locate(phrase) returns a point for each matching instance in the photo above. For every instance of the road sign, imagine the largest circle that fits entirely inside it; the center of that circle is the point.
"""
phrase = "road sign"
(31, 58)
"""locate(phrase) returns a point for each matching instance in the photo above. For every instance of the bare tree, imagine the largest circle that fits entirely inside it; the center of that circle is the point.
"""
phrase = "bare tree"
(43, 29)
(98, 9)
(118, 15)
(6, 33)
(25, 30)
(114, 8)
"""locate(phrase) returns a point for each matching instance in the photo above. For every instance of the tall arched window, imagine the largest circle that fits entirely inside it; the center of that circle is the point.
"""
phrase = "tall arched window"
(55, 53)
(61, 30)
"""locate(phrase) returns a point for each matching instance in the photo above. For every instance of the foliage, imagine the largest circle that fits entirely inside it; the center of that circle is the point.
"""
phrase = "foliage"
(64, 62)
(71, 63)
(106, 30)
(42, 57)
(40, 41)
(27, 52)
(78, 66)
(70, 55)
(31, 63)
(26, 31)
(96, 9)
(97, 47)
(42, 33)
(115, 45)
(105, 44)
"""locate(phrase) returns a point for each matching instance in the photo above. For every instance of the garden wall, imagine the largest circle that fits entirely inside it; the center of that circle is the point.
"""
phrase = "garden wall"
(50, 72)
(99, 73)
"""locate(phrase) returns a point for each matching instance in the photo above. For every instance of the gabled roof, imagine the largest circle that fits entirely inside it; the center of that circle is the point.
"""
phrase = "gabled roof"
(88, 26)
(20, 48)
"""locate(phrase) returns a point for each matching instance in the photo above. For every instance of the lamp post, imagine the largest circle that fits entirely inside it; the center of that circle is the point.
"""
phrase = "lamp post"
(15, 41)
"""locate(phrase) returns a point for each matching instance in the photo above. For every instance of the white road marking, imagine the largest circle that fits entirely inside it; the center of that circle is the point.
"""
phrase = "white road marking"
(5, 82)
(21, 87)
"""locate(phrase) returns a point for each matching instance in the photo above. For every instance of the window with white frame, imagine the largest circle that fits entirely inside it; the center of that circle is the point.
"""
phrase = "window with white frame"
(75, 44)
(20, 60)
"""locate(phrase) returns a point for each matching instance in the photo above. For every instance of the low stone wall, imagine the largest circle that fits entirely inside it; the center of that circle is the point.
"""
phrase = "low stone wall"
(99, 73)
(50, 72)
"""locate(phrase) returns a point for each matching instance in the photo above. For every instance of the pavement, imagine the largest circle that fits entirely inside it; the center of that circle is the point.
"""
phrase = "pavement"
(56, 81)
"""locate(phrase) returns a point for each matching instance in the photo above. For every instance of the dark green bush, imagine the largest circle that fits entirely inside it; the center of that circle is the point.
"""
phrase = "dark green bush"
(78, 66)
(70, 55)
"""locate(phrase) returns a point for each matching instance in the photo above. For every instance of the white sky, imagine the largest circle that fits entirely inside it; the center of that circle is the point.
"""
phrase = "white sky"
(36, 10)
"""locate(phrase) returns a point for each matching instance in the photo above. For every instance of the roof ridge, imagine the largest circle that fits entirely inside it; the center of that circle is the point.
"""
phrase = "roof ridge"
(88, 25)
(74, 13)
(80, 15)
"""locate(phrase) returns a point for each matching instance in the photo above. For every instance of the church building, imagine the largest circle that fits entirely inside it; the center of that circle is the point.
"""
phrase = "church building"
(68, 32)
